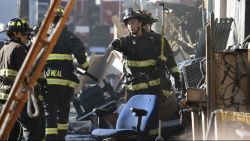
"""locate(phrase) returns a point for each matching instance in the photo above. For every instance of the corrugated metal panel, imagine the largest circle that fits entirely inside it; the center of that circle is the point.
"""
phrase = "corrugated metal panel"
(192, 73)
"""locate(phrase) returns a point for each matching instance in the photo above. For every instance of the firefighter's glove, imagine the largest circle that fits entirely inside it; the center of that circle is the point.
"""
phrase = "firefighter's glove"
(115, 44)
(160, 64)
(85, 68)
(177, 84)
(42, 81)
(177, 80)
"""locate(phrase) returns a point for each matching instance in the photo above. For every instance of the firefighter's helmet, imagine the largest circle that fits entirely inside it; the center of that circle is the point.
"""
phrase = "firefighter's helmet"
(18, 25)
(129, 13)
(147, 17)
(59, 11)
(58, 15)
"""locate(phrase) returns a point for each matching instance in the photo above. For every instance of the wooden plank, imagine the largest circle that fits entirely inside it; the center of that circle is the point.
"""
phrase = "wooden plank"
(119, 29)
(208, 71)
(231, 81)
(212, 64)
(248, 83)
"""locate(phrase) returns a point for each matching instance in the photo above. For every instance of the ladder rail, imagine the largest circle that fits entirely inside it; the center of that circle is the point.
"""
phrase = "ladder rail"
(19, 92)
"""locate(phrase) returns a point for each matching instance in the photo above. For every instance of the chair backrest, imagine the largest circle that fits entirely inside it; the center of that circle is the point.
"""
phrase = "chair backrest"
(148, 102)
(91, 98)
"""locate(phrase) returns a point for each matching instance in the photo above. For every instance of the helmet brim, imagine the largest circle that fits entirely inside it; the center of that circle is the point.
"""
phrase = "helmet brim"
(129, 18)
(154, 20)
(28, 32)
(149, 21)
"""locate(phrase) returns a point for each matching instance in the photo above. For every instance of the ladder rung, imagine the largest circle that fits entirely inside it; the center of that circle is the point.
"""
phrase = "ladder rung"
(10, 111)
(18, 97)
(45, 42)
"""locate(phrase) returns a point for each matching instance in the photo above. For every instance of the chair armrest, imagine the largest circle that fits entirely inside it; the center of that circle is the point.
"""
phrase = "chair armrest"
(138, 112)
(100, 112)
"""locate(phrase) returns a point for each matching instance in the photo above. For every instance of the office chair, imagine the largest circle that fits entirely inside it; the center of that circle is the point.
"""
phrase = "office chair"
(138, 116)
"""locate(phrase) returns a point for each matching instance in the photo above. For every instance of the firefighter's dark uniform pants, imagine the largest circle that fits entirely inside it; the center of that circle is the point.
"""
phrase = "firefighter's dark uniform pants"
(33, 128)
(16, 132)
(57, 107)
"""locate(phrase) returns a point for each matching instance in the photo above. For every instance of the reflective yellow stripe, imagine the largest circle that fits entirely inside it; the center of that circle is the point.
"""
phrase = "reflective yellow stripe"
(24, 20)
(54, 73)
(12, 23)
(4, 96)
(162, 57)
(5, 87)
(15, 24)
(8, 72)
(60, 10)
(154, 82)
(19, 24)
(54, 81)
(84, 65)
(144, 63)
(144, 85)
(166, 93)
(40, 97)
(174, 69)
(62, 126)
(137, 86)
(60, 57)
(51, 131)
(153, 131)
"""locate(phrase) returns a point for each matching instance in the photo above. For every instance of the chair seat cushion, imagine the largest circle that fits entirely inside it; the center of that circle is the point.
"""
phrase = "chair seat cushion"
(113, 132)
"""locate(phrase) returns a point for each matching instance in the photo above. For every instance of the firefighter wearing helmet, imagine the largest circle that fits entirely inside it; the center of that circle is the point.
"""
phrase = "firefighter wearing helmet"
(12, 55)
(61, 80)
(148, 20)
(170, 103)
(142, 66)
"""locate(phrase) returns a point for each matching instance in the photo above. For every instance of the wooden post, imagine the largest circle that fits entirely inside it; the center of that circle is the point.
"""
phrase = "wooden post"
(197, 118)
(248, 90)
(208, 47)
(210, 63)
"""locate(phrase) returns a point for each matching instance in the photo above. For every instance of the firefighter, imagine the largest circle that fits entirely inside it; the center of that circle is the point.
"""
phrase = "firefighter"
(148, 20)
(141, 51)
(61, 81)
(40, 87)
(12, 55)
(170, 101)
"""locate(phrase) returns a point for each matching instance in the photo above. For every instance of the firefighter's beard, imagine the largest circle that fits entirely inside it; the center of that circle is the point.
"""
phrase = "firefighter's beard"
(19, 40)
(134, 33)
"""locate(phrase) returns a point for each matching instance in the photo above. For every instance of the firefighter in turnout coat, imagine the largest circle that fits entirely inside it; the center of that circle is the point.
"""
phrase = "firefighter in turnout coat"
(61, 81)
(141, 51)
(12, 55)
